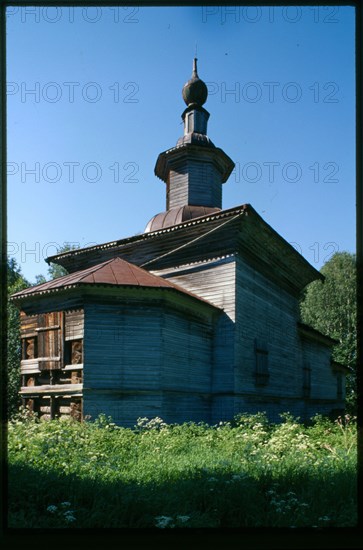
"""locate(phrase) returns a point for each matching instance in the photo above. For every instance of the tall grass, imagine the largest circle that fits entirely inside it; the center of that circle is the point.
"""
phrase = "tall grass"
(245, 473)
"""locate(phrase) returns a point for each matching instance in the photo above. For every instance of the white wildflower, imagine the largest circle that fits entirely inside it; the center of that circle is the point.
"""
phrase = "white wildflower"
(163, 521)
(52, 509)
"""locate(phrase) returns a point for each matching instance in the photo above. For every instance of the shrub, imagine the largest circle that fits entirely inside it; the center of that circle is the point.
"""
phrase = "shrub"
(245, 473)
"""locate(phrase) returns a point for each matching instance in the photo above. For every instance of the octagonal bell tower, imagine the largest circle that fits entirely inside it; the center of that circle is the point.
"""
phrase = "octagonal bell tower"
(195, 169)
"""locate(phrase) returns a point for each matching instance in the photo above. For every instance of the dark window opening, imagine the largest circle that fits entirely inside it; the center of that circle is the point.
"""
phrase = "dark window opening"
(29, 380)
(44, 378)
(74, 352)
(261, 371)
(306, 380)
(29, 348)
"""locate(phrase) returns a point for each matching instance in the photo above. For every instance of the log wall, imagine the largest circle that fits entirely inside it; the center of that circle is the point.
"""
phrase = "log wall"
(146, 360)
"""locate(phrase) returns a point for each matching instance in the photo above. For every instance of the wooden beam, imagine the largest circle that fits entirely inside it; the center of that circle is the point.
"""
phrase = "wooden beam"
(52, 389)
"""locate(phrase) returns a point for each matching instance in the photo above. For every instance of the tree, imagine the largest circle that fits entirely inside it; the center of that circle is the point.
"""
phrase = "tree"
(331, 308)
(16, 282)
(55, 270)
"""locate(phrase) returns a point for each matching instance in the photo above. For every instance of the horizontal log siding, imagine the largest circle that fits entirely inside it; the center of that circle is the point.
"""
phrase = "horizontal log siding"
(269, 313)
(273, 407)
(179, 408)
(187, 354)
(195, 182)
(177, 190)
(124, 409)
(28, 324)
(323, 379)
(214, 245)
(205, 186)
(215, 281)
(151, 359)
(122, 347)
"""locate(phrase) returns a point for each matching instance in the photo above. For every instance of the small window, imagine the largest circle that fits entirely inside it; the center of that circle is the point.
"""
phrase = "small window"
(261, 353)
(74, 352)
(29, 348)
(306, 380)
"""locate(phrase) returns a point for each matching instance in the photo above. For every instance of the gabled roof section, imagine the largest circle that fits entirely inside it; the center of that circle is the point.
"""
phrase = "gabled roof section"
(115, 272)
(239, 230)
(66, 259)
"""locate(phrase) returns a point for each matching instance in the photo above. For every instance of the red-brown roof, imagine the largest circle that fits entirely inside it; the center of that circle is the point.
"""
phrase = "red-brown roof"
(178, 214)
(115, 272)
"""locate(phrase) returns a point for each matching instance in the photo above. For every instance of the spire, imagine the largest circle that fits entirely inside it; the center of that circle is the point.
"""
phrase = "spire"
(195, 169)
(195, 72)
(195, 117)
(195, 92)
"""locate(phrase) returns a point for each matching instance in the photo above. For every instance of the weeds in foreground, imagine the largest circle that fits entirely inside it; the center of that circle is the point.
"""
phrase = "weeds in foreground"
(245, 473)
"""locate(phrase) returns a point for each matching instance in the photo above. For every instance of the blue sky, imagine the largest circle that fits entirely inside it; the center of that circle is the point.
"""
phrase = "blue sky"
(94, 95)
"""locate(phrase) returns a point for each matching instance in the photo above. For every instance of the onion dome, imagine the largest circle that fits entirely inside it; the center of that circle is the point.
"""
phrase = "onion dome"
(178, 214)
(195, 91)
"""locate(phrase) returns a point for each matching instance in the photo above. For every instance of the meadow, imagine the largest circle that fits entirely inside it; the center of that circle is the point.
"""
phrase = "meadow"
(244, 473)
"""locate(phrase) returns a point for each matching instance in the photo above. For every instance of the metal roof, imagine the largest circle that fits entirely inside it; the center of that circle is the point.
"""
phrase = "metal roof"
(114, 272)
(246, 232)
(220, 215)
(178, 214)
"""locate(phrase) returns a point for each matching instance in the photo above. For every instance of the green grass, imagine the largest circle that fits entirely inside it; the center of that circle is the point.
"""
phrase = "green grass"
(248, 473)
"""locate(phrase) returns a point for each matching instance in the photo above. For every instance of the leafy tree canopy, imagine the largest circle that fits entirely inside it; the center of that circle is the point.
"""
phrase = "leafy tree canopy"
(330, 307)
(16, 282)
(55, 270)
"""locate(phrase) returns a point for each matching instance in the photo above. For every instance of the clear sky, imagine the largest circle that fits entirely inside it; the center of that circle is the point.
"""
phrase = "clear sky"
(94, 95)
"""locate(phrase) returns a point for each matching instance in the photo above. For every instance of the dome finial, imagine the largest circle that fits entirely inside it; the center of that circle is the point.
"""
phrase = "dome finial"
(195, 91)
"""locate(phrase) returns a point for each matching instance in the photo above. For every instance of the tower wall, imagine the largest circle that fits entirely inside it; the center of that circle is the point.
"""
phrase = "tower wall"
(196, 183)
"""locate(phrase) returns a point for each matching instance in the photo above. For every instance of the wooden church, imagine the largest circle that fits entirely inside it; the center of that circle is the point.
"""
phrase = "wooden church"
(196, 319)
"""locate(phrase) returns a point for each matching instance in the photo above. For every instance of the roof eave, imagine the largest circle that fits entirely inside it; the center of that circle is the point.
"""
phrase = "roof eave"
(314, 334)
(144, 236)
(22, 298)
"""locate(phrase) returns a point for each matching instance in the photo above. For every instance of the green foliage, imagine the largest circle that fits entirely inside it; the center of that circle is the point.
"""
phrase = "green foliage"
(331, 308)
(235, 474)
(16, 282)
(55, 270)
